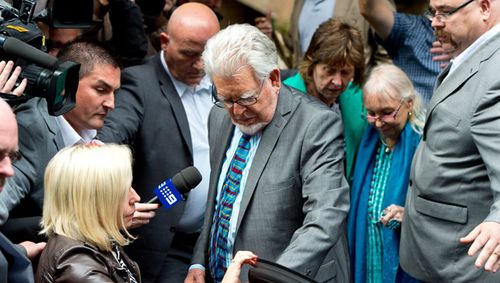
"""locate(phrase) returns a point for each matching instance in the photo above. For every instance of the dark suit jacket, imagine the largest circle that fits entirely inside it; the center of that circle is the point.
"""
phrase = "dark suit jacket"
(39, 140)
(149, 116)
(455, 176)
(296, 198)
(14, 265)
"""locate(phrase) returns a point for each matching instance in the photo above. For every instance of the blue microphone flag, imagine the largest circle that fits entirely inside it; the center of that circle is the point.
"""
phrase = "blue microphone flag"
(168, 194)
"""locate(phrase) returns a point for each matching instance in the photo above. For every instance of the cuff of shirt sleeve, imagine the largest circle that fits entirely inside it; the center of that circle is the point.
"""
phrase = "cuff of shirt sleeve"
(197, 266)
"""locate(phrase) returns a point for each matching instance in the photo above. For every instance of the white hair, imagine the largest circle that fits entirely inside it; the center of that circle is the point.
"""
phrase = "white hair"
(239, 46)
(389, 81)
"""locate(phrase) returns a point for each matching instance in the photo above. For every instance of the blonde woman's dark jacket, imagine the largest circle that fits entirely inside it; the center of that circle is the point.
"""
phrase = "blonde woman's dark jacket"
(76, 261)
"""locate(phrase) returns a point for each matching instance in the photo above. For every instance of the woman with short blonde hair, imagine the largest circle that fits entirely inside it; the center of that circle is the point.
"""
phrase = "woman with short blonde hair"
(88, 203)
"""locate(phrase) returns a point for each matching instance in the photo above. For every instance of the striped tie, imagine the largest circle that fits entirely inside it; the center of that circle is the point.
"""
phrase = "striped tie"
(220, 227)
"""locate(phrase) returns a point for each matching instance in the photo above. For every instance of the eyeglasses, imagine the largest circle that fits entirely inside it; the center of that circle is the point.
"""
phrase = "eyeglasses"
(386, 118)
(247, 99)
(443, 16)
(13, 155)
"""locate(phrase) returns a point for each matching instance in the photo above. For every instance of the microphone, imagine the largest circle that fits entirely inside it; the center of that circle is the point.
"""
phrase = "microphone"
(171, 190)
(20, 49)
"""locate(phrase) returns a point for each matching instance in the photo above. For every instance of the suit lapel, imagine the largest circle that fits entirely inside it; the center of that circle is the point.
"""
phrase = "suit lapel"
(442, 76)
(168, 90)
(51, 125)
(219, 143)
(446, 85)
(58, 140)
(225, 133)
(270, 136)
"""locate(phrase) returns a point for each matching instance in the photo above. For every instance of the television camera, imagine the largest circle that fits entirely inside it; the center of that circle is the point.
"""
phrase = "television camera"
(22, 42)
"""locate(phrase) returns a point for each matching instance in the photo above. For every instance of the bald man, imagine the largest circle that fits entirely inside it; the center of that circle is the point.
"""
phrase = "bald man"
(8, 142)
(162, 112)
(15, 265)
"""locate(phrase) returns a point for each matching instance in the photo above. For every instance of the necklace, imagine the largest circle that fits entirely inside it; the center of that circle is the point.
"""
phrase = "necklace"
(387, 148)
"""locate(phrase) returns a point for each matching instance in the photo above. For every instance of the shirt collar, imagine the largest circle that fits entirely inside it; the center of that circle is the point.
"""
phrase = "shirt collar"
(473, 47)
(180, 87)
(70, 136)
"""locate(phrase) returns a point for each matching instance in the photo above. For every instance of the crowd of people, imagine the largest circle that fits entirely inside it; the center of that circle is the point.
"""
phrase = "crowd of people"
(372, 159)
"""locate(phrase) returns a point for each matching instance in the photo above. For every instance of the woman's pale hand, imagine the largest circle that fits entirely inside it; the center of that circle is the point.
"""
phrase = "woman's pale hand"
(392, 212)
(144, 212)
(233, 271)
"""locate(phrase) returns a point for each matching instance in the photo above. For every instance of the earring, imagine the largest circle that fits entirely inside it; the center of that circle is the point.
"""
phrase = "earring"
(409, 113)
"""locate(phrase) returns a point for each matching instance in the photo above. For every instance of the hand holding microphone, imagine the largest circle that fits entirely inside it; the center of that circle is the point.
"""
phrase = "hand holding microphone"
(143, 213)
(167, 193)
(173, 190)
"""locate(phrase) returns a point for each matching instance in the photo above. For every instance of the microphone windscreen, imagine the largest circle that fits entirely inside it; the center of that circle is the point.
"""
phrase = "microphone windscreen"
(23, 50)
(187, 179)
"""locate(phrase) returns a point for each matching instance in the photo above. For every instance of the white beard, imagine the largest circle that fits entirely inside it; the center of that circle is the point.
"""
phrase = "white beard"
(251, 129)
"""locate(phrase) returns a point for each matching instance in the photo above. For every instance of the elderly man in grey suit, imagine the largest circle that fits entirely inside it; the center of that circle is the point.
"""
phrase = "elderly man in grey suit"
(276, 185)
(451, 230)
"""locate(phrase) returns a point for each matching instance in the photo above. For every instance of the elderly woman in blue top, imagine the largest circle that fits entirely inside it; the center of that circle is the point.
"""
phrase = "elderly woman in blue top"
(396, 117)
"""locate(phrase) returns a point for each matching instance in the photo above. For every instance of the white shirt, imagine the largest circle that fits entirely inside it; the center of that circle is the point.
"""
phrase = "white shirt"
(197, 102)
(254, 143)
(70, 136)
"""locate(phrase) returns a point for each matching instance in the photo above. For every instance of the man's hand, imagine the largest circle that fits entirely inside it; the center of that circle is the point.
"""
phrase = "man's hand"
(33, 249)
(440, 54)
(485, 237)
(195, 276)
(265, 24)
(143, 213)
(8, 80)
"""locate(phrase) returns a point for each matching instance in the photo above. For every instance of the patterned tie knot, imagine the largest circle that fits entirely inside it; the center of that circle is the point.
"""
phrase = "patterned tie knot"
(244, 142)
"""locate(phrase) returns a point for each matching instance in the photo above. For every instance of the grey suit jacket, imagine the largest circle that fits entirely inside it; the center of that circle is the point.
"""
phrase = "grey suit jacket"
(149, 116)
(39, 140)
(455, 177)
(296, 199)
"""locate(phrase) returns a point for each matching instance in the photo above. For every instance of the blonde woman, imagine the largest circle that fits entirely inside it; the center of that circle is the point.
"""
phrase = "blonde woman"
(88, 203)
